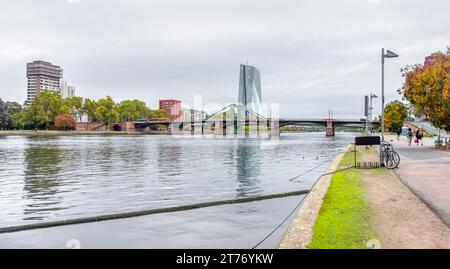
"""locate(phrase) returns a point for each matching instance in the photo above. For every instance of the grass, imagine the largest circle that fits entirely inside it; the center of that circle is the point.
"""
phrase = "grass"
(344, 218)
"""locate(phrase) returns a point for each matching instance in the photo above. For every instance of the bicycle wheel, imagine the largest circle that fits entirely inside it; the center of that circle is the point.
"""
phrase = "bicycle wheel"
(396, 158)
(391, 160)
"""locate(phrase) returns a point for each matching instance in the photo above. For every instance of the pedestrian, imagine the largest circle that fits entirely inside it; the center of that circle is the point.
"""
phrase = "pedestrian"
(410, 135)
(419, 136)
(399, 132)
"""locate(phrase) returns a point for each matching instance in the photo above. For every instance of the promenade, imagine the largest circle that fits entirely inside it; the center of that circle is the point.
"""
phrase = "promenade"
(426, 171)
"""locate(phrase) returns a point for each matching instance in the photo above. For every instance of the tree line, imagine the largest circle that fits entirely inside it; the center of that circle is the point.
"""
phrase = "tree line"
(427, 88)
(50, 111)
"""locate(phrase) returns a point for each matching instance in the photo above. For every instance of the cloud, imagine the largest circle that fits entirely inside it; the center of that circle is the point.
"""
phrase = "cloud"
(312, 54)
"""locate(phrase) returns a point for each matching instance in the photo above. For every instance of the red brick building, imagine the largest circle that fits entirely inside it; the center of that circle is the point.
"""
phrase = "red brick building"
(172, 108)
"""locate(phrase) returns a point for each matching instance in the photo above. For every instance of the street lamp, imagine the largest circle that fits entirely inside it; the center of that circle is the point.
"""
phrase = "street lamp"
(388, 54)
(371, 109)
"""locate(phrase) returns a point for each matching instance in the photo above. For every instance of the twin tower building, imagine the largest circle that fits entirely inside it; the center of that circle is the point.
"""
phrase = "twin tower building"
(250, 88)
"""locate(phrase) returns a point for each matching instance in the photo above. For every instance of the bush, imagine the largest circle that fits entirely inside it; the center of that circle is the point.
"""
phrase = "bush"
(65, 122)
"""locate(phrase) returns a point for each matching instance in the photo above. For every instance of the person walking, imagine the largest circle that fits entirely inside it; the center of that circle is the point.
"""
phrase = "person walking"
(410, 135)
(399, 132)
(419, 136)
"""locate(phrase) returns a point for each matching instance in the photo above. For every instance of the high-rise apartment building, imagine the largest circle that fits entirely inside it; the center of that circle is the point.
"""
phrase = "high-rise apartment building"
(250, 88)
(172, 108)
(42, 76)
(67, 91)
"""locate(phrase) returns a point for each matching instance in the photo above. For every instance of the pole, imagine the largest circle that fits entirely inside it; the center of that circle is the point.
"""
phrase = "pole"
(370, 113)
(382, 94)
(382, 108)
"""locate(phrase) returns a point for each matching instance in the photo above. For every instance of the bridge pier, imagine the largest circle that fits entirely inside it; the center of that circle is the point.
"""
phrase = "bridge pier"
(224, 124)
(330, 128)
(274, 130)
(192, 122)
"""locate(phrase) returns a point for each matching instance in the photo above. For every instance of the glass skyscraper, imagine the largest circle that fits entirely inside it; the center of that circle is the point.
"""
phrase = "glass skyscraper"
(250, 88)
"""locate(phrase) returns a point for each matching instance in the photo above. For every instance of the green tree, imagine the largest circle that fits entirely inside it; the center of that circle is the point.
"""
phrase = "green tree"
(90, 108)
(132, 110)
(106, 111)
(158, 113)
(76, 107)
(427, 88)
(4, 115)
(44, 109)
(17, 120)
(394, 114)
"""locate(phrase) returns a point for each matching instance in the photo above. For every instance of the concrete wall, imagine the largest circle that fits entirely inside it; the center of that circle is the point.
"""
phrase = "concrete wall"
(127, 126)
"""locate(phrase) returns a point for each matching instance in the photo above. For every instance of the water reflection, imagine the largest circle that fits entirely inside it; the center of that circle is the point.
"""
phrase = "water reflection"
(169, 160)
(247, 169)
(42, 185)
(52, 178)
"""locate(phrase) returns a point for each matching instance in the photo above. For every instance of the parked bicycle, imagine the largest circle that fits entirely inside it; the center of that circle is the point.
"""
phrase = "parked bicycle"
(391, 159)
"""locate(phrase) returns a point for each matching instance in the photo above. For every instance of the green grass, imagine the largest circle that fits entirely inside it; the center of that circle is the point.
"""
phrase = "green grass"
(343, 221)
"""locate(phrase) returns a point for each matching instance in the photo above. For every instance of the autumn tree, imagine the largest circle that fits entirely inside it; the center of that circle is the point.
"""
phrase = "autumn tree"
(394, 114)
(65, 122)
(427, 88)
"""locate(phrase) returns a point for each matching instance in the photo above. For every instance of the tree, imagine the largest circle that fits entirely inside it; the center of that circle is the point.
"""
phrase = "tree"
(17, 120)
(4, 115)
(76, 107)
(90, 107)
(106, 111)
(65, 122)
(44, 109)
(394, 114)
(427, 88)
(7, 112)
(158, 113)
(132, 110)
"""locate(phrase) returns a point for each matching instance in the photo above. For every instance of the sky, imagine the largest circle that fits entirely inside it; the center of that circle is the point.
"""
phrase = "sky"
(313, 54)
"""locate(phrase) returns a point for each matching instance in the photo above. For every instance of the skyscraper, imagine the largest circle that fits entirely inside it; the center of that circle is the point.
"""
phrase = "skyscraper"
(250, 88)
(41, 76)
(67, 91)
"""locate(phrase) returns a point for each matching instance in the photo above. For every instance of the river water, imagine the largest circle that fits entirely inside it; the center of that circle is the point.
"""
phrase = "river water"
(63, 177)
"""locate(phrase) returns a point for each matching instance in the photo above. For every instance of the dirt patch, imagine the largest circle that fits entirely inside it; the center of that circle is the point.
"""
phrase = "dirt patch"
(400, 218)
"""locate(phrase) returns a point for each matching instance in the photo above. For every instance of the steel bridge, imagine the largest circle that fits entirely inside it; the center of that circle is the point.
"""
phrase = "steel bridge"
(236, 116)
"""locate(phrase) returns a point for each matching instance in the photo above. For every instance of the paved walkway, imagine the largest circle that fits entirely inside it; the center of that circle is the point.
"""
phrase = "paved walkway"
(426, 171)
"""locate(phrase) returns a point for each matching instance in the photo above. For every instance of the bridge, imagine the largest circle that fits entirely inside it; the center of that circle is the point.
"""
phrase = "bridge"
(234, 117)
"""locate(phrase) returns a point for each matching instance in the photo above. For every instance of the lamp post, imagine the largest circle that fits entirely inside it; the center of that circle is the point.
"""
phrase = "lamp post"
(388, 54)
(371, 110)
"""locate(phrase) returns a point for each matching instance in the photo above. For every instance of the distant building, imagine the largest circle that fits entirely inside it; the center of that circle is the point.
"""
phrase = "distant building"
(172, 108)
(250, 88)
(188, 114)
(42, 76)
(67, 91)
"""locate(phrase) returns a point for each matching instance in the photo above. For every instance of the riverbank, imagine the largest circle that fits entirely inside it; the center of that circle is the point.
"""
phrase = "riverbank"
(73, 133)
(367, 208)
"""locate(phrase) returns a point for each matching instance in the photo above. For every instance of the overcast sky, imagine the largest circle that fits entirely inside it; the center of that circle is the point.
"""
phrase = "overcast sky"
(313, 55)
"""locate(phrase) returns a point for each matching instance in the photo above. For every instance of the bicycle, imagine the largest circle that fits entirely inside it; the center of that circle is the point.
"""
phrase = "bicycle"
(391, 158)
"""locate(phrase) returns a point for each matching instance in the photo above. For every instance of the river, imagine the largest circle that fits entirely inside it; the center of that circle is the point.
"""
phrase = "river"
(63, 177)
